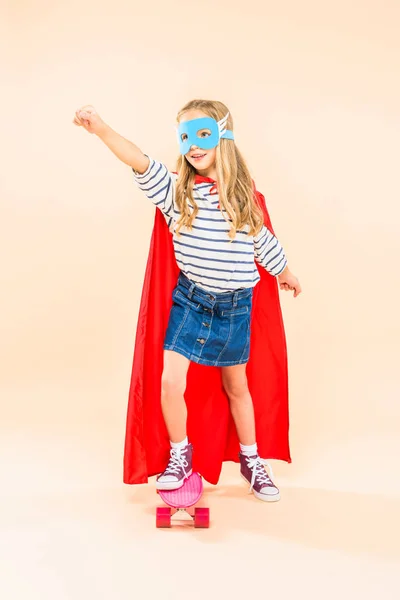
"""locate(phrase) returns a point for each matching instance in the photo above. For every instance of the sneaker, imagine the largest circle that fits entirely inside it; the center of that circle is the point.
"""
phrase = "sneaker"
(179, 468)
(252, 469)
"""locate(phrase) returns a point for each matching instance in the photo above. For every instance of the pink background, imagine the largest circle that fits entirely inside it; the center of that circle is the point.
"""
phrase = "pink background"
(314, 91)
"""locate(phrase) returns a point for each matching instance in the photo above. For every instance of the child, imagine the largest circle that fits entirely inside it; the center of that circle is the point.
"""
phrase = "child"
(217, 223)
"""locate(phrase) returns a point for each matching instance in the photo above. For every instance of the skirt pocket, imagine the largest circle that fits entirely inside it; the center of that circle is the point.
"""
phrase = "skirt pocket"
(180, 299)
(235, 312)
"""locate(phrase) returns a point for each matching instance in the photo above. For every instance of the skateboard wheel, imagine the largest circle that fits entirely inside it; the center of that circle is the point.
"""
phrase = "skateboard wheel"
(163, 516)
(202, 517)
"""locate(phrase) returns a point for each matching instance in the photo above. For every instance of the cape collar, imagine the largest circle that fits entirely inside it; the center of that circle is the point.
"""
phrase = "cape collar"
(201, 179)
(213, 188)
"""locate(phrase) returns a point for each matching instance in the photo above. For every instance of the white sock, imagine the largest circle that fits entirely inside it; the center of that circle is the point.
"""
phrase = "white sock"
(249, 450)
(179, 445)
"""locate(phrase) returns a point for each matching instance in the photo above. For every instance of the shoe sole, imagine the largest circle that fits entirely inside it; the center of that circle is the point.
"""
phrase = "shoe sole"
(171, 485)
(263, 497)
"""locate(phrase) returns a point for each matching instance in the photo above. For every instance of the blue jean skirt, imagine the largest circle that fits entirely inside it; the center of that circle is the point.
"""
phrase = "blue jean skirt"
(209, 328)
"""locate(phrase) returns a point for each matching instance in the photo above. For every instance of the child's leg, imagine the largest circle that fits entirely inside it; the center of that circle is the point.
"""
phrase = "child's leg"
(174, 410)
(173, 386)
(234, 380)
(252, 468)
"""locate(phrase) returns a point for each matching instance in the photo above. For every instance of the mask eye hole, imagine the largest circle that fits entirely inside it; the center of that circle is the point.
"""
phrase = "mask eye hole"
(184, 137)
(203, 133)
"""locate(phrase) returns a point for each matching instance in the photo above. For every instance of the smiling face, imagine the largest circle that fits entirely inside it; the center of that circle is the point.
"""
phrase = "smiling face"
(202, 160)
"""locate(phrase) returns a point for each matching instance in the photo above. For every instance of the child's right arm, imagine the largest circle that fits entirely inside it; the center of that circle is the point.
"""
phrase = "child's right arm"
(152, 177)
(123, 149)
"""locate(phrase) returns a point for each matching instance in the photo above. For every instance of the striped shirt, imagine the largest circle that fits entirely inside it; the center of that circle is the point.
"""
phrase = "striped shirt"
(206, 255)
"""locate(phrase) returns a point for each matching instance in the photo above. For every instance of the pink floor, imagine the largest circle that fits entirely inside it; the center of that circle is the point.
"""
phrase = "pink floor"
(71, 530)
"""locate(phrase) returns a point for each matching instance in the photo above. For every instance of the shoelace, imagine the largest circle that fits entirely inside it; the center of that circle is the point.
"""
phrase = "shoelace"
(259, 473)
(177, 461)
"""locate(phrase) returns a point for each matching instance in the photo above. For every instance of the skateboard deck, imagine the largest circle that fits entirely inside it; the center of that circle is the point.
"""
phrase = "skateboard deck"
(183, 499)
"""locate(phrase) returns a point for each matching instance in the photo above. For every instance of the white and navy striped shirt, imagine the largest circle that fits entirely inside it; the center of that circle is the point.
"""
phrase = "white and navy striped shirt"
(206, 255)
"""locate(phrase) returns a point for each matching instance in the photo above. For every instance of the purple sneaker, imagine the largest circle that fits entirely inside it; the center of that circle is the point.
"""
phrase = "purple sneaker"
(252, 469)
(179, 468)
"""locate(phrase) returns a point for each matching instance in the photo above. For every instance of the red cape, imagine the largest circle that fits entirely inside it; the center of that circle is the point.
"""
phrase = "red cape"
(210, 426)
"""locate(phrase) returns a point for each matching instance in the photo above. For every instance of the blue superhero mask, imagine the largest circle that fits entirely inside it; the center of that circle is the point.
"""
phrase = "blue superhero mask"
(189, 131)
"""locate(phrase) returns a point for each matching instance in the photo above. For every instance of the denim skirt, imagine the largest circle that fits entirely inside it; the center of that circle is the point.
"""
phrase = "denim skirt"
(209, 328)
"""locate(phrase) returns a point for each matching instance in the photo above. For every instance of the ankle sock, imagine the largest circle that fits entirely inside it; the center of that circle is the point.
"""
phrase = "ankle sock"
(179, 445)
(248, 450)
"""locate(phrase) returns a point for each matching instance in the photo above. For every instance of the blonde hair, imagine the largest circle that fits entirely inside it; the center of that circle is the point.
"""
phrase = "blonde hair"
(235, 185)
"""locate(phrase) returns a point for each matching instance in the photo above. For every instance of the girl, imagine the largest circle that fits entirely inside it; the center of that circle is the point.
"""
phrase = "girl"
(218, 231)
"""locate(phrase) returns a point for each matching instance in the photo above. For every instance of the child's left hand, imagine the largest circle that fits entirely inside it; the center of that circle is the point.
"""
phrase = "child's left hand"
(288, 281)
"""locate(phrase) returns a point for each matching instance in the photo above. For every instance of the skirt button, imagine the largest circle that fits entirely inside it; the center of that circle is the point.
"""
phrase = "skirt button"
(201, 340)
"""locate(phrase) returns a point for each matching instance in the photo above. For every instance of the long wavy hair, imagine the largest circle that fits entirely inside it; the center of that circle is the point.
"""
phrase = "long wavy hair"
(235, 185)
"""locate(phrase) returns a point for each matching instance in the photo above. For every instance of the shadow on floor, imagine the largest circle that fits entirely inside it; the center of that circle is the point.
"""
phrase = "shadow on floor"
(328, 520)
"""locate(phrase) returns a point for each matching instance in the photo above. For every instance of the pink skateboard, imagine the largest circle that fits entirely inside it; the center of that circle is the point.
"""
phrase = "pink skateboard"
(183, 499)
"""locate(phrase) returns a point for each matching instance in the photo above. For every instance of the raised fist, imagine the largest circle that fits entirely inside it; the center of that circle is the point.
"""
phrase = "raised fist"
(88, 118)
